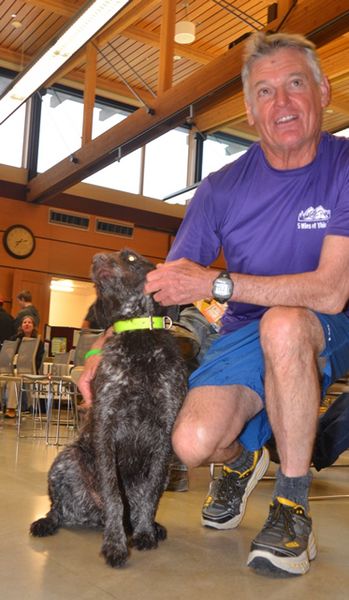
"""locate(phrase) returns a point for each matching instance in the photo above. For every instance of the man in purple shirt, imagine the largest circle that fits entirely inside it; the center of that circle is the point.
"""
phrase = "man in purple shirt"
(281, 216)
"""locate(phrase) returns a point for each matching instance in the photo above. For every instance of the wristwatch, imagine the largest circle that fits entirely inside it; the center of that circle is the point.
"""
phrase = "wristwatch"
(222, 287)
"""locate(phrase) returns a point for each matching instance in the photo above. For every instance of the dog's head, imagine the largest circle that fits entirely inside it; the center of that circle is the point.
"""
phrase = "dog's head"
(119, 278)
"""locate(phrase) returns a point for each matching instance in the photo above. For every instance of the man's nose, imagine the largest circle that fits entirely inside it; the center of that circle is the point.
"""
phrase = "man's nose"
(281, 96)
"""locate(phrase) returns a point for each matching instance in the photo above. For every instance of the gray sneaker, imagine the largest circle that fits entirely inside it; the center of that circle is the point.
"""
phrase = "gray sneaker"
(286, 543)
(225, 504)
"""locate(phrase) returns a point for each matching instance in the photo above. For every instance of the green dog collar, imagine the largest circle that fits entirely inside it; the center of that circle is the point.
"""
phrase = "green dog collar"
(142, 323)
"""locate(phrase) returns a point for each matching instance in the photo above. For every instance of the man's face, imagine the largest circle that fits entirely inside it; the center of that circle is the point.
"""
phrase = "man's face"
(285, 103)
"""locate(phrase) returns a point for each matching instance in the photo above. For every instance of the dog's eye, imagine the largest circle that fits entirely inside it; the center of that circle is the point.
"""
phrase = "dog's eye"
(131, 258)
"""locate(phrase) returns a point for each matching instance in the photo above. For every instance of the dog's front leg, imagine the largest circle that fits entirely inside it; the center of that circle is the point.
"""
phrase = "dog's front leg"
(114, 547)
(143, 506)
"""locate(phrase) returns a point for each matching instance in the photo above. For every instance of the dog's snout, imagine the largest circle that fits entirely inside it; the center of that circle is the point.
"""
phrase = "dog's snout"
(100, 259)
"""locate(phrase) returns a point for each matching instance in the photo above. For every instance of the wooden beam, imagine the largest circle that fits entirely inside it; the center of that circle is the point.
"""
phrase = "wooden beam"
(166, 45)
(221, 113)
(168, 111)
(89, 93)
(222, 76)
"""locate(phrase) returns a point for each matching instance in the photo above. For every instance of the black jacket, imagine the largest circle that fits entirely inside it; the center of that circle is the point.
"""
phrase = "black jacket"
(7, 327)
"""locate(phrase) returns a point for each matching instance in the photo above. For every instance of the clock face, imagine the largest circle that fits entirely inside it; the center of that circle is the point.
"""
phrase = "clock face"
(19, 241)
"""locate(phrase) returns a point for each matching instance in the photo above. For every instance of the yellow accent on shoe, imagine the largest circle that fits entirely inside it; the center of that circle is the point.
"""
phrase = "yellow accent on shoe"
(208, 501)
(288, 502)
(292, 545)
(256, 457)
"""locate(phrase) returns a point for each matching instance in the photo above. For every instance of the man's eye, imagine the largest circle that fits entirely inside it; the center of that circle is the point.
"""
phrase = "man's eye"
(297, 83)
(262, 92)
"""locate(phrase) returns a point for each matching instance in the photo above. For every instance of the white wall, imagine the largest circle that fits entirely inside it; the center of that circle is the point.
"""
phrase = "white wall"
(68, 309)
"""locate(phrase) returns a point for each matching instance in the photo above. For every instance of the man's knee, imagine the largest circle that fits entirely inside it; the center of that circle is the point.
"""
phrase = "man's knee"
(189, 443)
(283, 330)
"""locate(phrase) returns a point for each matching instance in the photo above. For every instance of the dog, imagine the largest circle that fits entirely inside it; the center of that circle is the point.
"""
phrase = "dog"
(114, 474)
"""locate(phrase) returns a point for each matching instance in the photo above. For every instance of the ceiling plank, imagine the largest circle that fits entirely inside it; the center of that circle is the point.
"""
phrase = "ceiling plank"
(151, 39)
(315, 18)
(109, 89)
(66, 8)
(132, 12)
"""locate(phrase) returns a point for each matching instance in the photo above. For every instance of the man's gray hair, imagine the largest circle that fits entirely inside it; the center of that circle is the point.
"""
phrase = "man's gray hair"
(263, 44)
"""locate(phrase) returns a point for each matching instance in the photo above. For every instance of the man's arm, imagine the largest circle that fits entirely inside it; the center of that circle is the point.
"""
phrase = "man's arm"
(325, 290)
(90, 367)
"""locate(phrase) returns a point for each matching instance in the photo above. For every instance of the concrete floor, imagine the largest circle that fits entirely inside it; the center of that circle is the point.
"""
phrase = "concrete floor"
(193, 563)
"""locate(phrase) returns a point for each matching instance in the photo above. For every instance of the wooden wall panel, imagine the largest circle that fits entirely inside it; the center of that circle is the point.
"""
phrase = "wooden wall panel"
(39, 286)
(62, 251)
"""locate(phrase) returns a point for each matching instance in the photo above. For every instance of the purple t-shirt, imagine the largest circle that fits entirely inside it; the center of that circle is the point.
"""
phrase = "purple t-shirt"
(267, 221)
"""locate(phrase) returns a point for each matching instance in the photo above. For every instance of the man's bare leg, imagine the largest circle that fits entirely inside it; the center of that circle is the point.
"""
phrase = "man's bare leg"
(291, 339)
(206, 431)
(209, 422)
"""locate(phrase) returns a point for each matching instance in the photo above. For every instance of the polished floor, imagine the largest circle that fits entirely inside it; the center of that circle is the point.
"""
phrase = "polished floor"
(193, 563)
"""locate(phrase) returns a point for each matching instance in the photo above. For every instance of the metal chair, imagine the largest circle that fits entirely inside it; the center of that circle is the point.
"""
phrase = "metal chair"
(66, 392)
(86, 338)
(7, 355)
(47, 392)
(25, 371)
(25, 365)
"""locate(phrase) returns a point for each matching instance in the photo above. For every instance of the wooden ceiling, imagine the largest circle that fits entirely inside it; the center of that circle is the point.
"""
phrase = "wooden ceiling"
(134, 59)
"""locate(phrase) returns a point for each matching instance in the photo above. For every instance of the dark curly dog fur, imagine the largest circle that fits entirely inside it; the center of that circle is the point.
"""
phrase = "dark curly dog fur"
(115, 473)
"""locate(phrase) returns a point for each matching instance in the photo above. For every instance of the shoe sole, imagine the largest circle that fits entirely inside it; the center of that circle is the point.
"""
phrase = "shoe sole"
(258, 473)
(267, 563)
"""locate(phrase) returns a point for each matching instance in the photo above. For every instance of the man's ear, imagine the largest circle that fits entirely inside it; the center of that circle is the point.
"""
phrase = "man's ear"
(325, 91)
(250, 117)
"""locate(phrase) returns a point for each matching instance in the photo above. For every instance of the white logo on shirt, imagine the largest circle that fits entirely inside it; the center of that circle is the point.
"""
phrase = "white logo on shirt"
(314, 218)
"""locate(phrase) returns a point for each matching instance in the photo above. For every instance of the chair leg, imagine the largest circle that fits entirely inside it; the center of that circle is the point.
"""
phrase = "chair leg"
(19, 407)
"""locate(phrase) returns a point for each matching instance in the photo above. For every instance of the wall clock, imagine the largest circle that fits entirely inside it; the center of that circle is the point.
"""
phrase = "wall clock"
(19, 241)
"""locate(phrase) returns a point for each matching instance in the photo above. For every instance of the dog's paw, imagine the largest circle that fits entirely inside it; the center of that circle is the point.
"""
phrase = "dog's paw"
(143, 540)
(43, 527)
(160, 532)
(115, 554)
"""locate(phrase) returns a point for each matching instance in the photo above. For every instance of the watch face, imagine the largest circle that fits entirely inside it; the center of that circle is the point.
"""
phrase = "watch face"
(222, 288)
(19, 241)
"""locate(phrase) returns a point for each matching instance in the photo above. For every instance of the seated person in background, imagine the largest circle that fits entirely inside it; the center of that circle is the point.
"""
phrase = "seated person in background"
(7, 328)
(24, 299)
(27, 329)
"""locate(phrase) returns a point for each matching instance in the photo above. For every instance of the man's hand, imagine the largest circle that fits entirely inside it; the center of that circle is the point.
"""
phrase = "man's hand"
(84, 383)
(90, 368)
(180, 282)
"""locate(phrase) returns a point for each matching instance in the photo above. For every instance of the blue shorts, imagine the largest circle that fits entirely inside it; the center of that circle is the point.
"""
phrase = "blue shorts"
(237, 358)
